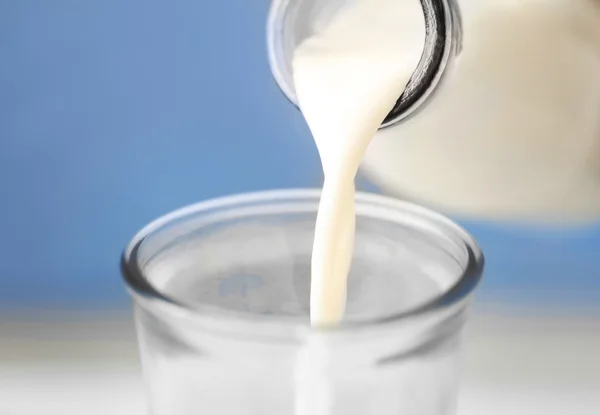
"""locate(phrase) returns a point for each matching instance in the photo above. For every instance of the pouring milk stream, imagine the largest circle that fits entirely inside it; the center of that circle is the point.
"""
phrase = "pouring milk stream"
(347, 80)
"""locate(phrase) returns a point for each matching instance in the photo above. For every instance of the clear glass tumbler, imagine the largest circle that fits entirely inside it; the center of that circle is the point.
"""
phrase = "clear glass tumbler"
(221, 293)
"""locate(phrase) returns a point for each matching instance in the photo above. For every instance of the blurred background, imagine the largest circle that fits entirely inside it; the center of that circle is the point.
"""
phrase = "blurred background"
(115, 112)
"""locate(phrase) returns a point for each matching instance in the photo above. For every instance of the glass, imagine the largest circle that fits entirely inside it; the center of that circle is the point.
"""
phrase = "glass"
(221, 295)
(290, 22)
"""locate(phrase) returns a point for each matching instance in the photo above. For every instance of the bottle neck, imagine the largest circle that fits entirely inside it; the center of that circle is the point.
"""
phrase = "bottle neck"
(290, 22)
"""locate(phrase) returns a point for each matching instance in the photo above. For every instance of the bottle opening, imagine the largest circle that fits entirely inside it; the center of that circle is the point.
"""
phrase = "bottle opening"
(290, 21)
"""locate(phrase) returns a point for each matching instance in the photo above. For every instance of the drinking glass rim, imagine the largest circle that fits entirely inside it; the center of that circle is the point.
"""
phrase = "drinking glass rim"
(142, 290)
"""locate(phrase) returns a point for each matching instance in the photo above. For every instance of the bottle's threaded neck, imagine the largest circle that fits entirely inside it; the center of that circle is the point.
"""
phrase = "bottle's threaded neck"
(440, 43)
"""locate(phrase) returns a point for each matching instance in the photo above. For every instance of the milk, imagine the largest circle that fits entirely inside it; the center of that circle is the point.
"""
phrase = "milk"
(514, 132)
(348, 78)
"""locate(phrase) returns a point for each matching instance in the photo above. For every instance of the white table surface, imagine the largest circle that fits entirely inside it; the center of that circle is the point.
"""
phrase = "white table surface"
(514, 365)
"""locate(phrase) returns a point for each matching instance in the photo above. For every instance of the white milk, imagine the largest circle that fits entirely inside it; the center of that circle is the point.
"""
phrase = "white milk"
(514, 132)
(347, 79)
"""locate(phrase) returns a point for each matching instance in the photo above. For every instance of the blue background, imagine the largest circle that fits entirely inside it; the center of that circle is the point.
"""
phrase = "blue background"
(114, 112)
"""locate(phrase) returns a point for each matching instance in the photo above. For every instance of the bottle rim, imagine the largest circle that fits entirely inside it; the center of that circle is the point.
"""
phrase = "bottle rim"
(442, 44)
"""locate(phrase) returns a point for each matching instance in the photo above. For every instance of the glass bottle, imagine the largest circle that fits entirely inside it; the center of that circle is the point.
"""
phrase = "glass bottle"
(513, 133)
